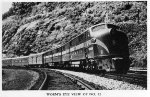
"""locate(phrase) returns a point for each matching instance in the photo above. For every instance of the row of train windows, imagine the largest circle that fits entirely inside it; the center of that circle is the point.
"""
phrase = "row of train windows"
(20, 61)
(80, 39)
(7, 61)
(77, 52)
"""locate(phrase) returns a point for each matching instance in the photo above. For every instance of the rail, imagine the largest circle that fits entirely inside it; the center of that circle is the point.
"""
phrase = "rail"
(43, 83)
(79, 82)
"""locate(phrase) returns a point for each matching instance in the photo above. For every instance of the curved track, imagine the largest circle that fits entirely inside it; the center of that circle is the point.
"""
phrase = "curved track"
(44, 82)
(83, 85)
(79, 82)
(39, 85)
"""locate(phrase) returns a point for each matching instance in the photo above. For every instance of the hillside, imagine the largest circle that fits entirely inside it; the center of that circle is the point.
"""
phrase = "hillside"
(37, 27)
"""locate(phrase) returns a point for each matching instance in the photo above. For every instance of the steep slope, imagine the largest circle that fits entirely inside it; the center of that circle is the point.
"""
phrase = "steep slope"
(35, 27)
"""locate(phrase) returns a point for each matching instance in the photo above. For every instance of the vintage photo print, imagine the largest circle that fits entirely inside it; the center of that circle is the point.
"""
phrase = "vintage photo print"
(74, 48)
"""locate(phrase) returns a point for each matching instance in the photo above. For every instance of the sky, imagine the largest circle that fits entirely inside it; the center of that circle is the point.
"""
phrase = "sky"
(6, 6)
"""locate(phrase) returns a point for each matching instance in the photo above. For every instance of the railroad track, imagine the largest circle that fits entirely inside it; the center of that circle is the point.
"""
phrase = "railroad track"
(83, 85)
(78, 81)
(137, 79)
(44, 81)
(40, 84)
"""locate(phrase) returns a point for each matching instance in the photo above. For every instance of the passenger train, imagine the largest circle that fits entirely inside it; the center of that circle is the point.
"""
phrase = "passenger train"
(102, 47)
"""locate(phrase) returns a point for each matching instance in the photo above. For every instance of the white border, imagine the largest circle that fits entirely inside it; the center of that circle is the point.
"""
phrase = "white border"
(104, 93)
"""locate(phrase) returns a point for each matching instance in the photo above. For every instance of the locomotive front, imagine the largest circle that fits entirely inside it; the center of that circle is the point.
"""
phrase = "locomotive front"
(110, 48)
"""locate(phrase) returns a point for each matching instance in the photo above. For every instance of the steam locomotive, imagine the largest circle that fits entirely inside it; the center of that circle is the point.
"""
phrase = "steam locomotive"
(102, 47)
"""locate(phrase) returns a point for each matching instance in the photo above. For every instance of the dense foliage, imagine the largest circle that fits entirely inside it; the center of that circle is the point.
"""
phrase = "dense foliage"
(35, 27)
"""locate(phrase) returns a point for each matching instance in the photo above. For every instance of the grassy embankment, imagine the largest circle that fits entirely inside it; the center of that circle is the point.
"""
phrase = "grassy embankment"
(18, 79)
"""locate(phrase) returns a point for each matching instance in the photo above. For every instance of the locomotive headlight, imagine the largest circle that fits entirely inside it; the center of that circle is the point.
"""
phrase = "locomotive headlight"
(93, 40)
(117, 58)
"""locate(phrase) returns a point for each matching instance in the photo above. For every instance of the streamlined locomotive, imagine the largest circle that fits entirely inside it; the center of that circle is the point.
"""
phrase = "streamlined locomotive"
(102, 47)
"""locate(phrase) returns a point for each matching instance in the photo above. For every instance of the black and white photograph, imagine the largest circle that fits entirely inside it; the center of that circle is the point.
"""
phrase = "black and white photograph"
(54, 46)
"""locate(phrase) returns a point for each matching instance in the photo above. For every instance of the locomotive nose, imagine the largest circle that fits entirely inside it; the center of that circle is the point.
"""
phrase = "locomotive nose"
(119, 42)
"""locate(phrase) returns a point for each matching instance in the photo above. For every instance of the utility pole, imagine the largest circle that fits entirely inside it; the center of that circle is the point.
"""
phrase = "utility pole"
(106, 16)
(138, 16)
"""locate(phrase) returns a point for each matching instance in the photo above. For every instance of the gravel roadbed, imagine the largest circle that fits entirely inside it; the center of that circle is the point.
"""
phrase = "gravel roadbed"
(109, 84)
